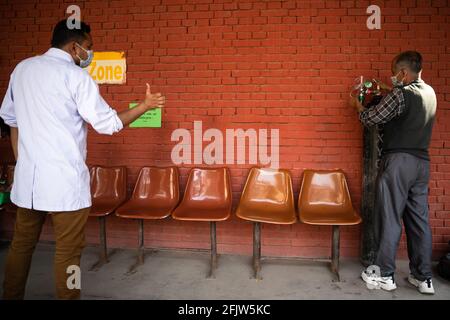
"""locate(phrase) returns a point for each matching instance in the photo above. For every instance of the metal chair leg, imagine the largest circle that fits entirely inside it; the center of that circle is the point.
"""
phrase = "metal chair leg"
(103, 244)
(141, 249)
(103, 254)
(141, 242)
(335, 253)
(257, 250)
(213, 250)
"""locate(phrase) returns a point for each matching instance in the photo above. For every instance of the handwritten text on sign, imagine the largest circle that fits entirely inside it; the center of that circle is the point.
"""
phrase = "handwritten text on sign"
(108, 67)
(150, 119)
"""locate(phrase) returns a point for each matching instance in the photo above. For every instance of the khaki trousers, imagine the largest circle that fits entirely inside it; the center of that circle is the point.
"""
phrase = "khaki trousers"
(69, 235)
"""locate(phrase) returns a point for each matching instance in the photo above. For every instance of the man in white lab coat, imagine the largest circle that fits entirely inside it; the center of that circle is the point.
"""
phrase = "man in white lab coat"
(49, 100)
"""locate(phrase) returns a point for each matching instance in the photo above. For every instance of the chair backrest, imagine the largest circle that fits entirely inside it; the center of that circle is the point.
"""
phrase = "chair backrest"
(108, 183)
(211, 187)
(269, 187)
(324, 190)
(160, 184)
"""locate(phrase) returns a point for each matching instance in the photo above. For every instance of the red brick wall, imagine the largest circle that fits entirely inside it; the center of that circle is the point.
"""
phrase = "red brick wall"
(250, 64)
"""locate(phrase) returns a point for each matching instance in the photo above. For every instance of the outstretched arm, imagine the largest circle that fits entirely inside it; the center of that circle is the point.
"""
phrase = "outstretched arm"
(151, 101)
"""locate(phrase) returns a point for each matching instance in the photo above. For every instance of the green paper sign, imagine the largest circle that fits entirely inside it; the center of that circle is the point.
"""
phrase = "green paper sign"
(150, 119)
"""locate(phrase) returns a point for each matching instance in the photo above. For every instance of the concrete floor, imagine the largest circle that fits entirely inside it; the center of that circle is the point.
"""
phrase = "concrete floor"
(182, 275)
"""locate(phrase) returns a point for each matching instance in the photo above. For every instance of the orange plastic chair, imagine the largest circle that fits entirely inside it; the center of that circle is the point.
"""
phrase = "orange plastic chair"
(207, 197)
(108, 191)
(155, 196)
(267, 198)
(325, 200)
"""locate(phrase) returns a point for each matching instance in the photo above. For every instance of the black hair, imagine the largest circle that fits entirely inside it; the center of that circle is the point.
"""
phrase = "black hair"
(409, 59)
(62, 34)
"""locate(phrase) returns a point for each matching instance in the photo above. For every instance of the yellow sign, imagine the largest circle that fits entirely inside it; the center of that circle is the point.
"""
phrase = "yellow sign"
(108, 67)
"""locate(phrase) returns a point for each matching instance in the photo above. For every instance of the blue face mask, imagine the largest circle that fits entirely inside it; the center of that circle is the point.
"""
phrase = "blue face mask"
(396, 82)
(87, 62)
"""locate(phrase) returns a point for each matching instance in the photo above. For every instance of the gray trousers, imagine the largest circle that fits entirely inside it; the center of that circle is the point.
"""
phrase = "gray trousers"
(402, 194)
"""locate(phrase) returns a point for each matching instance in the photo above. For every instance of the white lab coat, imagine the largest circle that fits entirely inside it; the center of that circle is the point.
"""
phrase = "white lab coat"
(50, 99)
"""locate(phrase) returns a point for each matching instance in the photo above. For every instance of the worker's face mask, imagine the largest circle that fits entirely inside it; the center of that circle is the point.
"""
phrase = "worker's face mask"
(90, 56)
(396, 82)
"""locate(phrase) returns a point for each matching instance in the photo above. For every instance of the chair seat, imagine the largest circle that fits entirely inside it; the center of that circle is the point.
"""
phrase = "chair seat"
(108, 189)
(192, 213)
(267, 213)
(103, 209)
(327, 217)
(135, 209)
(325, 199)
(207, 197)
(268, 197)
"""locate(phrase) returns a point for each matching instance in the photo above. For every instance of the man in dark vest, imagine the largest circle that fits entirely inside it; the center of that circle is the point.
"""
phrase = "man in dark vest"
(407, 116)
